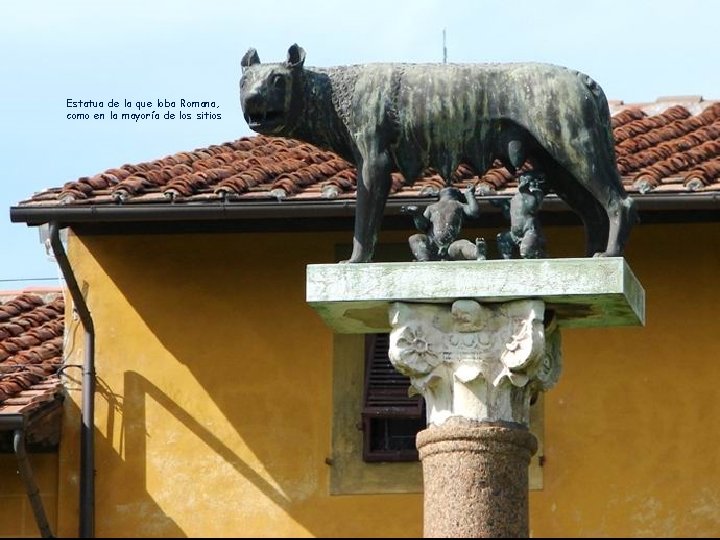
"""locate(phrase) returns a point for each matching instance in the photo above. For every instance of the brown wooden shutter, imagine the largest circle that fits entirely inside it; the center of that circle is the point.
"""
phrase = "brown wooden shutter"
(386, 390)
(390, 418)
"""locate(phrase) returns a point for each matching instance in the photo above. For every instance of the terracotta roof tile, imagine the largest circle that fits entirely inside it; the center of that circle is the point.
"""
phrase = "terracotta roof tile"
(668, 145)
(31, 350)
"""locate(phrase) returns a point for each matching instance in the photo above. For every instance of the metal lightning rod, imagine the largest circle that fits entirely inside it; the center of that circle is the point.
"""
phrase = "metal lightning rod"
(444, 46)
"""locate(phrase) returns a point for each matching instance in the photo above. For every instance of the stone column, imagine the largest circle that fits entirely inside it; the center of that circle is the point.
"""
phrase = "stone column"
(478, 363)
(478, 367)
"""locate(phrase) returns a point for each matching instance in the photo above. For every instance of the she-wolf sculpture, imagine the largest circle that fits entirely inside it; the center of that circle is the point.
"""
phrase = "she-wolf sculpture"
(407, 117)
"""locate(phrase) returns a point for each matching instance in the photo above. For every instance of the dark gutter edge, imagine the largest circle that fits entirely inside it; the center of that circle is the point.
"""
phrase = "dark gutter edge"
(26, 474)
(87, 410)
(11, 422)
(191, 211)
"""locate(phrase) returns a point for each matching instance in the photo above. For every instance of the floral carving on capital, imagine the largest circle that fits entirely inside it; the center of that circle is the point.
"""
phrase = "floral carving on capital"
(478, 361)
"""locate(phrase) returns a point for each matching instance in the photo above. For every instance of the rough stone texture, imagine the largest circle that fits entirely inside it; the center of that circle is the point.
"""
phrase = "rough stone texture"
(582, 292)
(476, 479)
(482, 362)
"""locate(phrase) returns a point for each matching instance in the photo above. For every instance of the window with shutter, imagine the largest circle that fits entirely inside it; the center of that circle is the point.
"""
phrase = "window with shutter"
(390, 418)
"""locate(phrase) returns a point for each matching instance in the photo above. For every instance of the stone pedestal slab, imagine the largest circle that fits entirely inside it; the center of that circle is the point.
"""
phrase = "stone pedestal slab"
(354, 298)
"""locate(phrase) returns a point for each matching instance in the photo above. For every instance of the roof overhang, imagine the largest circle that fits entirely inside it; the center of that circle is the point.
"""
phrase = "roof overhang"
(334, 214)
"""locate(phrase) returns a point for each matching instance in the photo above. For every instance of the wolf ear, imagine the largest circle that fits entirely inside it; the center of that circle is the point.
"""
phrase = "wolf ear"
(296, 57)
(251, 57)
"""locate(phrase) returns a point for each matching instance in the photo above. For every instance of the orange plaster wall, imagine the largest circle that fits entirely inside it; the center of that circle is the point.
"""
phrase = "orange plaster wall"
(214, 396)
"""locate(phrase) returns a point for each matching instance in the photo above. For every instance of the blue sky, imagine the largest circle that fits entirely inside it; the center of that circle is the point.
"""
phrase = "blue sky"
(148, 50)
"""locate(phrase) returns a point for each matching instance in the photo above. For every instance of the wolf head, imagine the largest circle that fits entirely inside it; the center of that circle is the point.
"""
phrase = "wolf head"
(270, 94)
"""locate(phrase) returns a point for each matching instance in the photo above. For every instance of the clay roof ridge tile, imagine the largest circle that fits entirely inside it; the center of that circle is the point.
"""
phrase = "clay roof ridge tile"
(626, 115)
(702, 175)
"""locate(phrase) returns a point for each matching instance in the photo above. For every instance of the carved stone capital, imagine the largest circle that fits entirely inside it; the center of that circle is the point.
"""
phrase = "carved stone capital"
(483, 362)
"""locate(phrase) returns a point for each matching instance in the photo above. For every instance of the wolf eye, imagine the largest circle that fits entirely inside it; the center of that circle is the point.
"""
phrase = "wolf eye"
(278, 80)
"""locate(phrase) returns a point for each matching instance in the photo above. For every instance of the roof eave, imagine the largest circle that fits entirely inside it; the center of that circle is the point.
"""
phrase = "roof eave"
(343, 208)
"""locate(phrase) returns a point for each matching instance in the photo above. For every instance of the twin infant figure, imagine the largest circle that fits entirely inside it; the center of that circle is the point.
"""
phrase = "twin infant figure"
(440, 223)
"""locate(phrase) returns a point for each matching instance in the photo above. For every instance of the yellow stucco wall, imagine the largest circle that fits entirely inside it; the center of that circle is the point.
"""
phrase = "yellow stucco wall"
(214, 396)
(631, 433)
(16, 515)
(214, 392)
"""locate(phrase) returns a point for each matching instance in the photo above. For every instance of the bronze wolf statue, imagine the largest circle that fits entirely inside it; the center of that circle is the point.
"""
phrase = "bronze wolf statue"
(407, 117)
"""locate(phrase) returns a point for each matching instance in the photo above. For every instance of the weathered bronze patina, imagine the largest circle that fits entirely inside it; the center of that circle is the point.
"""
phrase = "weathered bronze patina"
(440, 224)
(525, 229)
(407, 117)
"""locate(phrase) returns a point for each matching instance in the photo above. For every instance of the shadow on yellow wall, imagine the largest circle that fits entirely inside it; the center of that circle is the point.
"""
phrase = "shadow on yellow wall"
(131, 501)
(220, 377)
